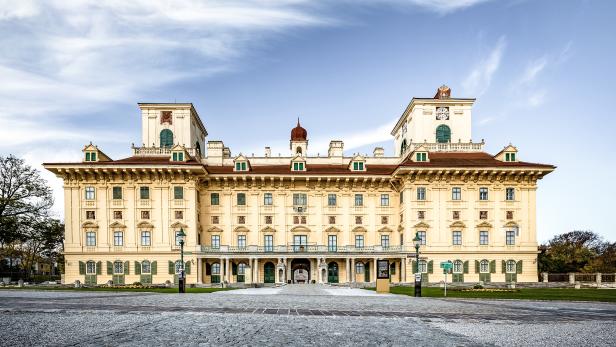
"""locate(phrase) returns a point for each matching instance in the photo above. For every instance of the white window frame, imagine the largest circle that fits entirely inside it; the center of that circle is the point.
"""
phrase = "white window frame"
(482, 191)
(118, 267)
(216, 269)
(456, 238)
(510, 266)
(90, 193)
(146, 267)
(423, 237)
(241, 241)
(384, 199)
(458, 267)
(385, 241)
(88, 239)
(509, 234)
(215, 241)
(456, 193)
(487, 266)
(143, 238)
(116, 238)
(268, 199)
(359, 241)
(421, 193)
(423, 267)
(487, 238)
(178, 267)
(88, 263)
(510, 194)
(359, 268)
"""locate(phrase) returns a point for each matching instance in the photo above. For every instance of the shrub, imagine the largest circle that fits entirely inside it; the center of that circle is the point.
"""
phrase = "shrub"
(477, 286)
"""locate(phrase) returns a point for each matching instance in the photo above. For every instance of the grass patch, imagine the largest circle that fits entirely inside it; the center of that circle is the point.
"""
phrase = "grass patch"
(566, 294)
(119, 289)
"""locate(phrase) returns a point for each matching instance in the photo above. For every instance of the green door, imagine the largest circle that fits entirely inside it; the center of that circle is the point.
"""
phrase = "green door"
(332, 272)
(270, 273)
(367, 272)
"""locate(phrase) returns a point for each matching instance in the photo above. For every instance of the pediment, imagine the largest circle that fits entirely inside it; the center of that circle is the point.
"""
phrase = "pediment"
(179, 225)
(298, 158)
(300, 228)
(332, 230)
(385, 230)
(268, 229)
(240, 157)
(421, 225)
(511, 224)
(90, 225)
(359, 229)
(178, 148)
(145, 224)
(484, 225)
(241, 229)
(117, 225)
(457, 224)
(214, 230)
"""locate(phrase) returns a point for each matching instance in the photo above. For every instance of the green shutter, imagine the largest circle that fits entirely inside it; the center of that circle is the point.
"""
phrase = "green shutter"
(153, 268)
(504, 267)
(465, 268)
(109, 268)
(493, 266)
(414, 266)
(187, 267)
(476, 266)
(430, 266)
(99, 268)
(518, 267)
(137, 268)
(126, 265)
(82, 268)
(171, 268)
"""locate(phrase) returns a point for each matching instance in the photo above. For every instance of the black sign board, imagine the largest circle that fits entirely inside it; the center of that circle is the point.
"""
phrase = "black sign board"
(382, 269)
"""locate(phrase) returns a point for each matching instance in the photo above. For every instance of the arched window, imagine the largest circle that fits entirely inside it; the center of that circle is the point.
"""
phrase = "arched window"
(146, 267)
(359, 268)
(298, 150)
(241, 269)
(178, 267)
(216, 269)
(403, 147)
(198, 147)
(443, 134)
(423, 266)
(458, 267)
(511, 266)
(118, 267)
(166, 138)
(484, 266)
(90, 268)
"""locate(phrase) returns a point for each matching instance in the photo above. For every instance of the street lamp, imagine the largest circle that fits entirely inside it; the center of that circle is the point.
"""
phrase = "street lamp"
(417, 242)
(182, 280)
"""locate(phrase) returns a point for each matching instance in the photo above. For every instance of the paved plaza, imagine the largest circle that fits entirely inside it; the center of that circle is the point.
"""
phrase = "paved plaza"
(295, 314)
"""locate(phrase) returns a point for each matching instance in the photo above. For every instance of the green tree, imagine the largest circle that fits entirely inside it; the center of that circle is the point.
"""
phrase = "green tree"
(574, 251)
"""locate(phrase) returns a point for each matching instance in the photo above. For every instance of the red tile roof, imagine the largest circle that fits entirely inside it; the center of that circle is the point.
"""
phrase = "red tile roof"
(467, 159)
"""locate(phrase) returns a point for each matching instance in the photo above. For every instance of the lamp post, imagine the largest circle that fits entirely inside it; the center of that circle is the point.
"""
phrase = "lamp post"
(417, 242)
(182, 280)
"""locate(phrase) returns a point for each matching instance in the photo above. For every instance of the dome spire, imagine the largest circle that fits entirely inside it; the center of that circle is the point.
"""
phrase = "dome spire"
(298, 133)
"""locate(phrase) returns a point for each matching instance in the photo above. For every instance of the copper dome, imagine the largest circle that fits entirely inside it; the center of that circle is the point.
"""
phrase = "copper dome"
(298, 133)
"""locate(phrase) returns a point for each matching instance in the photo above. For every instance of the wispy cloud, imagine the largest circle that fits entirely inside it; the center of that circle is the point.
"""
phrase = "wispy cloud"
(533, 70)
(480, 77)
(438, 6)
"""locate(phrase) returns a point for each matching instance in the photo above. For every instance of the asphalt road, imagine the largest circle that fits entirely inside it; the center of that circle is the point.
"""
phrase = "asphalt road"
(296, 315)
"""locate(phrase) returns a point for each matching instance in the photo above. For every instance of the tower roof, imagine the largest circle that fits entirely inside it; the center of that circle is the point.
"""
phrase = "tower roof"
(298, 133)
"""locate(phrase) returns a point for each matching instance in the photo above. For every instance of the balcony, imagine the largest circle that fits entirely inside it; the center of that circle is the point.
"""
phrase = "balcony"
(159, 151)
(308, 249)
(448, 147)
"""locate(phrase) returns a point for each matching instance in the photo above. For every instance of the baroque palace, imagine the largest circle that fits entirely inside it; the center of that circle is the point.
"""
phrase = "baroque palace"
(300, 218)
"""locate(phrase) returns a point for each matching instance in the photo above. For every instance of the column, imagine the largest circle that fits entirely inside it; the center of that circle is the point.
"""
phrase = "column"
(199, 271)
(289, 272)
(373, 274)
(348, 269)
(353, 270)
(222, 270)
(255, 271)
(403, 270)
(228, 270)
(319, 274)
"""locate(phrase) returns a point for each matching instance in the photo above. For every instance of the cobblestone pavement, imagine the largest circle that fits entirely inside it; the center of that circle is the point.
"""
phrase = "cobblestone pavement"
(296, 315)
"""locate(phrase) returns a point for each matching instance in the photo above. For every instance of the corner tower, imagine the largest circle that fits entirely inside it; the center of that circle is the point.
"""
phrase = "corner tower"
(299, 140)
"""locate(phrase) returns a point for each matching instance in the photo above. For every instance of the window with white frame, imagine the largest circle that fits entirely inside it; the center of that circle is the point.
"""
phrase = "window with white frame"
(241, 166)
(300, 199)
(483, 193)
(483, 238)
(268, 243)
(331, 199)
(510, 194)
(90, 238)
(484, 266)
(422, 237)
(146, 238)
(90, 193)
(268, 200)
(216, 241)
(359, 267)
(332, 243)
(178, 266)
(456, 193)
(298, 166)
(216, 269)
(359, 241)
(359, 200)
(144, 193)
(423, 266)
(90, 268)
(510, 237)
(118, 267)
(241, 241)
(358, 166)
(421, 193)
(177, 237)
(384, 199)
(385, 241)
(146, 267)
(118, 238)
(458, 267)
(510, 266)
(214, 199)
(457, 238)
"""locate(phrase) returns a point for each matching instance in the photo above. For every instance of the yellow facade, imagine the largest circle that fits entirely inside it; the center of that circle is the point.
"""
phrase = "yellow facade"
(301, 218)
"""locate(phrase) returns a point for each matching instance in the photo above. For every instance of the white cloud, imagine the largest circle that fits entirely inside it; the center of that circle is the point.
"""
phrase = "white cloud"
(537, 98)
(438, 6)
(11, 9)
(480, 77)
(533, 69)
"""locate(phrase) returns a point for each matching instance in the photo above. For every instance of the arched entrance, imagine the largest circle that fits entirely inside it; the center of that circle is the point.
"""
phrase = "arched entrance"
(269, 272)
(300, 269)
(332, 272)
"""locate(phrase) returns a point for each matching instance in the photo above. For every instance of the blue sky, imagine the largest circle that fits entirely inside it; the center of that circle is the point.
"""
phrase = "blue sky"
(542, 73)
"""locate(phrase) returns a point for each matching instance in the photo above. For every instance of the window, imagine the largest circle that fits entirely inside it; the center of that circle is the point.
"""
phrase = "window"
(423, 266)
(146, 238)
(144, 193)
(508, 157)
(385, 241)
(384, 220)
(332, 219)
(179, 214)
(146, 267)
(359, 200)
(90, 156)
(268, 200)
(456, 215)
(303, 219)
(177, 238)
(300, 199)
(268, 219)
(510, 194)
(179, 267)
(178, 192)
(241, 199)
(483, 193)
(241, 241)
(298, 166)
(358, 220)
(215, 219)
(421, 156)
(241, 219)
(511, 266)
(359, 268)
(457, 238)
(90, 193)
(458, 267)
(483, 238)
(358, 166)
(216, 269)
(241, 166)
(332, 243)
(456, 193)
(384, 199)
(510, 237)
(145, 214)
(90, 268)
(241, 269)
(331, 199)
(509, 214)
(214, 199)
(215, 241)
(117, 193)
(483, 214)
(118, 238)
(117, 214)
(166, 138)
(299, 241)
(421, 214)
(90, 215)
(268, 242)
(295, 219)
(421, 193)
(484, 266)
(422, 237)
(443, 134)
(177, 156)
(359, 241)
(118, 267)
(90, 238)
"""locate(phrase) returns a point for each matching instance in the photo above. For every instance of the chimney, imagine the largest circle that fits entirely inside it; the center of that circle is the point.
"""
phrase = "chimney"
(378, 152)
(335, 149)
(268, 152)
(226, 153)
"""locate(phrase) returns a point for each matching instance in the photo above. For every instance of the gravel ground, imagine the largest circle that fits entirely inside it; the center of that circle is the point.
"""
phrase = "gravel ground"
(295, 315)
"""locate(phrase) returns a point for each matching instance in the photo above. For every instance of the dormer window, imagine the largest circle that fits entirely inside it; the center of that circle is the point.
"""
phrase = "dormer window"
(421, 156)
(241, 166)
(90, 156)
(91, 153)
(358, 166)
(178, 153)
(298, 166)
(358, 163)
(510, 156)
(178, 156)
